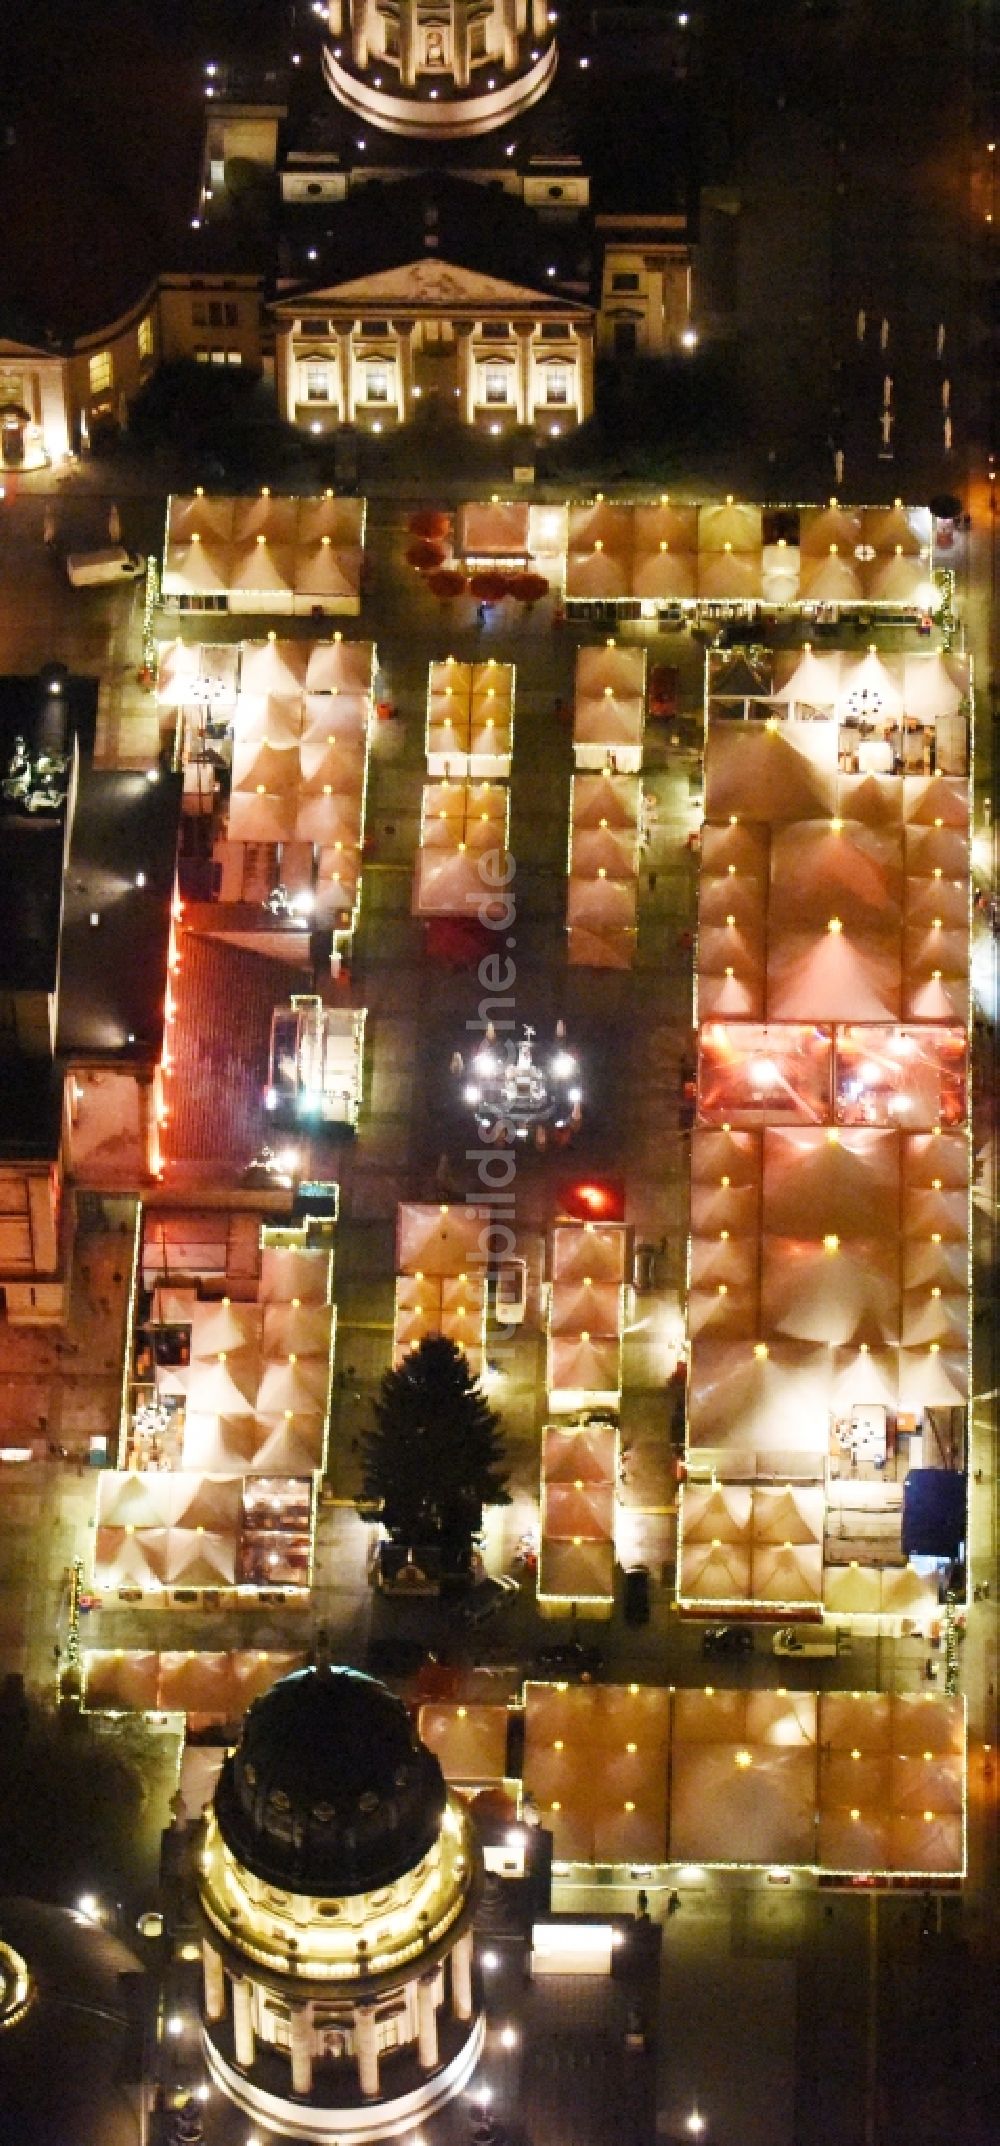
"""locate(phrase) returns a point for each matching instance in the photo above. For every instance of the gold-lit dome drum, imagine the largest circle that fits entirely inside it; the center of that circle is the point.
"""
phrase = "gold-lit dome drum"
(439, 69)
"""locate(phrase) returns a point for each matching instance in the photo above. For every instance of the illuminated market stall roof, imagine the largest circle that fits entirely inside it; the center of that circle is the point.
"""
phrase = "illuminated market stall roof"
(269, 554)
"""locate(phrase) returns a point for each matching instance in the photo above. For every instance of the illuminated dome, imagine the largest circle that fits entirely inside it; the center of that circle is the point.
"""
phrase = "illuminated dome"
(329, 1790)
(439, 69)
(337, 1880)
(15, 1986)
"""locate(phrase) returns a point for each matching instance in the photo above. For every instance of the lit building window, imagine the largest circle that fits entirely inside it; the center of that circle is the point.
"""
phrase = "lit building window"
(317, 382)
(377, 383)
(556, 384)
(100, 371)
(495, 383)
(146, 336)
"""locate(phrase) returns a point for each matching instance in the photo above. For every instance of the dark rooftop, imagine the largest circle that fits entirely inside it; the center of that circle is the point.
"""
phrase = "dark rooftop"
(69, 2069)
(114, 974)
(330, 1789)
(387, 224)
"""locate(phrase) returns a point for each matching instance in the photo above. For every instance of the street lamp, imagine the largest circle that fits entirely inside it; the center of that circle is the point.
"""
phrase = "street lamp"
(696, 2123)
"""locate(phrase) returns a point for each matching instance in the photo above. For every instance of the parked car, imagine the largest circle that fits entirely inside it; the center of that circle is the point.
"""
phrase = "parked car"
(644, 1267)
(727, 1639)
(89, 569)
(636, 1594)
(664, 690)
(510, 1300)
(485, 1600)
(570, 1655)
(810, 1641)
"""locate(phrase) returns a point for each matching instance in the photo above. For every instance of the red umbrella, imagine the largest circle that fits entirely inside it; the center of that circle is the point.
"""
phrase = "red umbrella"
(489, 586)
(429, 522)
(528, 588)
(447, 582)
(424, 555)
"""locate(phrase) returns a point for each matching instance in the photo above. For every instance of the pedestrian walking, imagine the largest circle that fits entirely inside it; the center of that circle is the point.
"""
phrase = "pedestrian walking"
(48, 528)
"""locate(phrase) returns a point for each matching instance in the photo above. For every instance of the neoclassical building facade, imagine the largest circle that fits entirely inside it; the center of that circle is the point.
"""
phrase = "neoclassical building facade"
(336, 1880)
(370, 351)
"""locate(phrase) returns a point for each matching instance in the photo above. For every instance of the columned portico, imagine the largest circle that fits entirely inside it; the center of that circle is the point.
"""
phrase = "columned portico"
(525, 339)
(364, 2028)
(243, 2040)
(461, 1976)
(301, 2049)
(355, 352)
(345, 352)
(427, 2032)
(214, 1982)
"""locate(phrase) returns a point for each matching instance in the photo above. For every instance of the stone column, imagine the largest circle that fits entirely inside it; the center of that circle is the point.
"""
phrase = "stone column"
(213, 1981)
(404, 371)
(364, 2037)
(525, 391)
(284, 371)
(461, 47)
(243, 2041)
(407, 48)
(508, 22)
(345, 348)
(300, 2040)
(461, 1977)
(427, 2026)
(539, 18)
(466, 373)
(585, 380)
(359, 25)
(334, 17)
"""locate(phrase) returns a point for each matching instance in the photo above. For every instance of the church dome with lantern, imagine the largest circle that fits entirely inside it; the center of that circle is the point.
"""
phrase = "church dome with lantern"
(439, 69)
(337, 1879)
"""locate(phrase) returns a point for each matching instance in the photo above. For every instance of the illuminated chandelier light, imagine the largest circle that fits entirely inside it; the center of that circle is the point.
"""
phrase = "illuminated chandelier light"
(521, 1092)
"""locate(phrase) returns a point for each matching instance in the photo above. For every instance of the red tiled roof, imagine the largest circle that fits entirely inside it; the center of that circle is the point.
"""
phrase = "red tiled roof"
(225, 999)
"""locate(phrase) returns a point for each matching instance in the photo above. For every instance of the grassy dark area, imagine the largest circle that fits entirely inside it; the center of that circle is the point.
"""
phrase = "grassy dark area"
(219, 425)
(655, 418)
(73, 1791)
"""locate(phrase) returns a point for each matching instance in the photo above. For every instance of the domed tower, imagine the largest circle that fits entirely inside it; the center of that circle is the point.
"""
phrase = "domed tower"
(337, 1880)
(438, 69)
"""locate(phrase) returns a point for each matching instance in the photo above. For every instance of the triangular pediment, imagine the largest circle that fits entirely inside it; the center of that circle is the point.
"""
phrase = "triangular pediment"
(423, 283)
(9, 349)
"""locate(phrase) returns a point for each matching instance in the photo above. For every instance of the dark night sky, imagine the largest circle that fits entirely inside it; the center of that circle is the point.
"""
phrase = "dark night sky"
(100, 127)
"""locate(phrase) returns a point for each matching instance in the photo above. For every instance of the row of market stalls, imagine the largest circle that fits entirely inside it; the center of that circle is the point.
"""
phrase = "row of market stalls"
(890, 714)
(579, 1490)
(227, 1409)
(586, 1316)
(828, 1283)
(441, 1267)
(732, 552)
(470, 719)
(461, 861)
(609, 708)
(290, 723)
(837, 1782)
(580, 1457)
(602, 897)
(263, 554)
(207, 1686)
